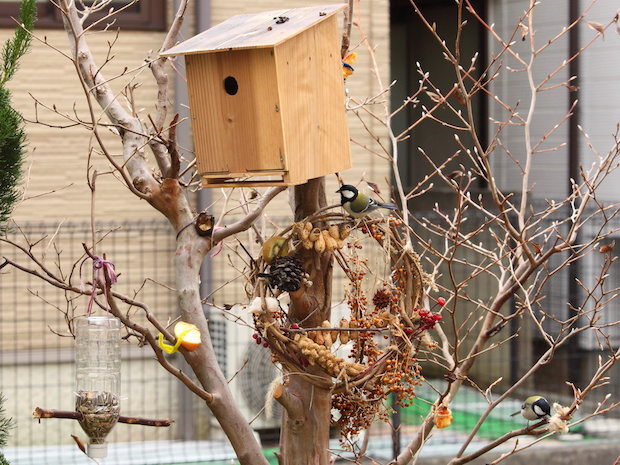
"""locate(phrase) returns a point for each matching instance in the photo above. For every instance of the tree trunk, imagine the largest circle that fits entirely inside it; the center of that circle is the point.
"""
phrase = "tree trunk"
(305, 425)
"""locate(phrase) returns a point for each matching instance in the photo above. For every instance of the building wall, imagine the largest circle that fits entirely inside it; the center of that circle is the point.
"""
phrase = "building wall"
(59, 148)
(599, 106)
(549, 178)
(599, 99)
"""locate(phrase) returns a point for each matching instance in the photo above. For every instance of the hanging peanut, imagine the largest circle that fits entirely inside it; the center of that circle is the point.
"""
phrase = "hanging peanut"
(344, 335)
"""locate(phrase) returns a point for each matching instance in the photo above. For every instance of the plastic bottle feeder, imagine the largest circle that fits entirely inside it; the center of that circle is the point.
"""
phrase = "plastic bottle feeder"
(98, 379)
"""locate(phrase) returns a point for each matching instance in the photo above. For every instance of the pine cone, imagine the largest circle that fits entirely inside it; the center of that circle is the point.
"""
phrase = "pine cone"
(286, 273)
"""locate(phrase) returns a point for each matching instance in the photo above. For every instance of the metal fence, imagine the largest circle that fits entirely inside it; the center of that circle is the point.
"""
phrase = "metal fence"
(36, 357)
(36, 361)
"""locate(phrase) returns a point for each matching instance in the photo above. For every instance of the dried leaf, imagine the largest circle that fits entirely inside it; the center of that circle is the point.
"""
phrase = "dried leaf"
(460, 97)
(598, 27)
(435, 97)
(374, 187)
(79, 443)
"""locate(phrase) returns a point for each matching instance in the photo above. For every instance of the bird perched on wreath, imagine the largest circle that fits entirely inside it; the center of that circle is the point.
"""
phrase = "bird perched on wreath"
(534, 408)
(357, 204)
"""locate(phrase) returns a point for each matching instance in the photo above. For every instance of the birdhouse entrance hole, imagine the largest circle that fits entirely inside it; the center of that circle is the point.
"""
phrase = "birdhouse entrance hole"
(231, 86)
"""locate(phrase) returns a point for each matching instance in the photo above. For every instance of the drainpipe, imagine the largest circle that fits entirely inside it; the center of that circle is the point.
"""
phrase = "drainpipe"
(573, 70)
(203, 196)
(575, 354)
(202, 14)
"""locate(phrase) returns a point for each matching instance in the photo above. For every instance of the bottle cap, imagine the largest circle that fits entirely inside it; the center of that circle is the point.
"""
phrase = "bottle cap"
(97, 451)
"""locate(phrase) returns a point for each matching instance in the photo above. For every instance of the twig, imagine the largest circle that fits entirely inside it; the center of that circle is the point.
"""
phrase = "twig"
(42, 414)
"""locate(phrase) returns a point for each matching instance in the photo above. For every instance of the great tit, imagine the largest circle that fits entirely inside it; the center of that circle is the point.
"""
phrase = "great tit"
(534, 408)
(357, 204)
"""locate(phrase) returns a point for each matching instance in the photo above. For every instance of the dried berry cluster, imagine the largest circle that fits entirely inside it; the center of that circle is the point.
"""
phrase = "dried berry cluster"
(402, 374)
(259, 340)
(392, 316)
(357, 411)
(360, 406)
(379, 231)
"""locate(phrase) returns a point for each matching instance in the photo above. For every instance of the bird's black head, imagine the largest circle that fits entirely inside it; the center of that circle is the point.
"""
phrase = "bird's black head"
(347, 193)
(541, 407)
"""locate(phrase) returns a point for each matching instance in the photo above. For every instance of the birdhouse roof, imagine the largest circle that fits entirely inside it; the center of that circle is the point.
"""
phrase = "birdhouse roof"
(258, 30)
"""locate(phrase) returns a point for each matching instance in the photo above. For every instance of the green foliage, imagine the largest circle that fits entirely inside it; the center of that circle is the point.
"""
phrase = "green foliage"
(5, 425)
(12, 135)
(19, 45)
(12, 148)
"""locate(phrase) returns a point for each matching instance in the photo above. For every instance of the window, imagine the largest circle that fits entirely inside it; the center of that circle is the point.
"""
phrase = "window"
(142, 15)
(412, 43)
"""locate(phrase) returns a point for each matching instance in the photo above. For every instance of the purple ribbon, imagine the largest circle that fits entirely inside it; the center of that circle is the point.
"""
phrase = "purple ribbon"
(99, 265)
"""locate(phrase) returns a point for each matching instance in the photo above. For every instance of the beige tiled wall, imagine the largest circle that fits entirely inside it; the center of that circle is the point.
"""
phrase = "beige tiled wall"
(55, 177)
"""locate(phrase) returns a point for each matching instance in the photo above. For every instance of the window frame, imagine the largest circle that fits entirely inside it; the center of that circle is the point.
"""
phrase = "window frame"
(146, 15)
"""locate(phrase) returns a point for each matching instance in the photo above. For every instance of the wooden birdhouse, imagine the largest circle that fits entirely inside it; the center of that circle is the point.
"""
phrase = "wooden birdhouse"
(266, 98)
